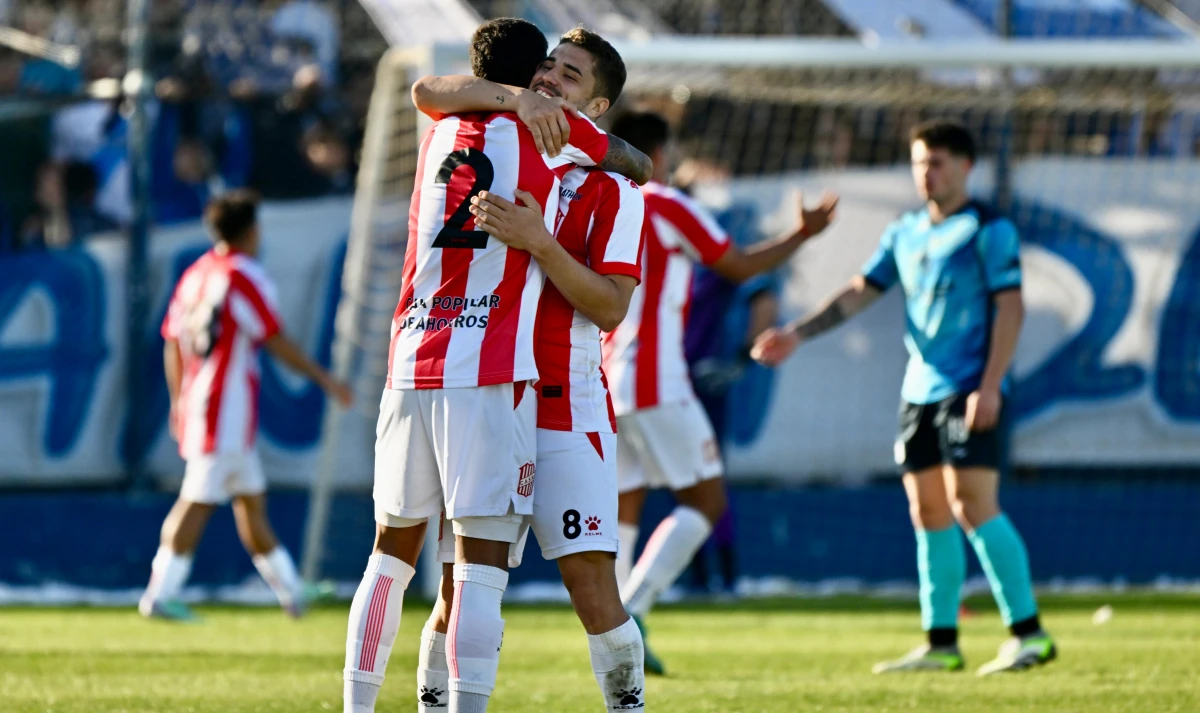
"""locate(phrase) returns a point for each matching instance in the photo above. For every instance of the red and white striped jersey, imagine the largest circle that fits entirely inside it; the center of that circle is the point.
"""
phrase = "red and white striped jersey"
(223, 309)
(644, 357)
(601, 216)
(468, 303)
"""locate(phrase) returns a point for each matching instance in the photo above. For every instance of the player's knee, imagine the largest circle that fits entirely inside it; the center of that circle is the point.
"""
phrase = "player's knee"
(403, 543)
(931, 516)
(971, 510)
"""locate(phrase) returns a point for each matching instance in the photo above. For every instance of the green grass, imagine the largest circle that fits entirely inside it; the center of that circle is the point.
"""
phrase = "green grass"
(777, 657)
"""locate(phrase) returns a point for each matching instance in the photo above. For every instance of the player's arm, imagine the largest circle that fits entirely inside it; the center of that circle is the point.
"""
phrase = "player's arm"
(624, 159)
(439, 96)
(999, 248)
(738, 265)
(288, 352)
(173, 368)
(604, 299)
(775, 345)
(1006, 328)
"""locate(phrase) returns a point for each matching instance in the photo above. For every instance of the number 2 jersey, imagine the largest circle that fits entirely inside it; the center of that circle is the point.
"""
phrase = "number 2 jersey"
(223, 309)
(468, 303)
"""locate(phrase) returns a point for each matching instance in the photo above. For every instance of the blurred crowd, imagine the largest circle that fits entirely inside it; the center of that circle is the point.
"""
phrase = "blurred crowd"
(248, 93)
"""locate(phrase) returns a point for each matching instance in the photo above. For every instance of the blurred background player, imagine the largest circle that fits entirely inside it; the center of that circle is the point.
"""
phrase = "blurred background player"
(457, 421)
(665, 439)
(959, 266)
(222, 312)
(592, 267)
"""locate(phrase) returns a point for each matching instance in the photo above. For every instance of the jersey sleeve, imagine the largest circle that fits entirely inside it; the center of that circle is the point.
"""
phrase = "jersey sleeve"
(588, 143)
(253, 305)
(1000, 252)
(703, 237)
(615, 240)
(880, 269)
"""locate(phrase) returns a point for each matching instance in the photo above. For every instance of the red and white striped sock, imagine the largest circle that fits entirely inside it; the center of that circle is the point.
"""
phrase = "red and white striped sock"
(374, 621)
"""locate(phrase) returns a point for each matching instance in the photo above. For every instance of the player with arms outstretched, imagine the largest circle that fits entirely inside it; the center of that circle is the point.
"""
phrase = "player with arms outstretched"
(960, 269)
(592, 266)
(223, 310)
(665, 437)
(456, 431)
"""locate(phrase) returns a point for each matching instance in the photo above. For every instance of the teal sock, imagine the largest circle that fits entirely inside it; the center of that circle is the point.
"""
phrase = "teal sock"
(941, 567)
(1005, 562)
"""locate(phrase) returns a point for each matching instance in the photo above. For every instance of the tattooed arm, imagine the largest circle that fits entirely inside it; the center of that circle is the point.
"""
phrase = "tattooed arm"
(777, 344)
(624, 159)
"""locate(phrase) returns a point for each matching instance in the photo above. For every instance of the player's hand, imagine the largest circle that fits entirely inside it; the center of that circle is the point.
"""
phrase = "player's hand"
(517, 225)
(818, 219)
(983, 409)
(774, 346)
(342, 393)
(546, 121)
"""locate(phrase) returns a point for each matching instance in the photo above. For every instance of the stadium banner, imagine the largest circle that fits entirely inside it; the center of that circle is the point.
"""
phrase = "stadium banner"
(64, 418)
(1108, 369)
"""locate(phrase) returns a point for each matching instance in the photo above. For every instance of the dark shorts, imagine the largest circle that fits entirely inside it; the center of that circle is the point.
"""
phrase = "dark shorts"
(936, 434)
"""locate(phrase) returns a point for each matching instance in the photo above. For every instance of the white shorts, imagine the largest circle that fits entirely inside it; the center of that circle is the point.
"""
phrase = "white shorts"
(216, 478)
(671, 446)
(467, 452)
(575, 509)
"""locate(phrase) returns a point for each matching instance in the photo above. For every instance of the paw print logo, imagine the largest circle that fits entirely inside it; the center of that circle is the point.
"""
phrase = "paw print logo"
(593, 523)
(429, 697)
(631, 698)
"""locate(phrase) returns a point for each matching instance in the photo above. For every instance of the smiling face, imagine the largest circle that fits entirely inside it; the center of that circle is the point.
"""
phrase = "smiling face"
(570, 74)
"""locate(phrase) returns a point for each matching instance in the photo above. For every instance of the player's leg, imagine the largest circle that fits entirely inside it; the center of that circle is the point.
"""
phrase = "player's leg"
(485, 440)
(407, 491)
(205, 486)
(973, 485)
(632, 496)
(433, 671)
(271, 559)
(181, 533)
(941, 556)
(683, 453)
(574, 513)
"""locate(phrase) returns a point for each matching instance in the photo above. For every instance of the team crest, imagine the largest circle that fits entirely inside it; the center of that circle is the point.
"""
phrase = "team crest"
(525, 483)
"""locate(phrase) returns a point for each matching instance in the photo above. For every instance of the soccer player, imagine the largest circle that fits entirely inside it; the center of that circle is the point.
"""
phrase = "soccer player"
(457, 422)
(592, 263)
(665, 439)
(960, 269)
(223, 311)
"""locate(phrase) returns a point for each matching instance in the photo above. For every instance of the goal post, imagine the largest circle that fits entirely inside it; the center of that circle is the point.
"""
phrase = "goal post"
(1080, 134)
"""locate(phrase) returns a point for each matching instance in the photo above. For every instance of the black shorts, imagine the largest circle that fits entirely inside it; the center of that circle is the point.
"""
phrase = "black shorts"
(936, 434)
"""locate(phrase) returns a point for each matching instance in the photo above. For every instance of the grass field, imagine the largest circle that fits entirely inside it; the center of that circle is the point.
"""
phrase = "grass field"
(772, 657)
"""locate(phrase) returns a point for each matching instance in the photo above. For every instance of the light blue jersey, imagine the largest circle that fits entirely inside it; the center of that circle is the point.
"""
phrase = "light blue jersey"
(949, 273)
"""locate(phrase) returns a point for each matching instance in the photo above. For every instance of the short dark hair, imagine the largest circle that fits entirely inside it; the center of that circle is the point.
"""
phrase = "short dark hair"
(609, 67)
(232, 215)
(507, 50)
(646, 131)
(944, 134)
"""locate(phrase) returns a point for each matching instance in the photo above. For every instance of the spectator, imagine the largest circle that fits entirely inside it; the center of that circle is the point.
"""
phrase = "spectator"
(306, 22)
(66, 213)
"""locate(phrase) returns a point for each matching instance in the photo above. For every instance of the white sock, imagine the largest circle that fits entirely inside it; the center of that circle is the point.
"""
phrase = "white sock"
(670, 549)
(618, 663)
(433, 674)
(627, 536)
(374, 621)
(475, 635)
(168, 574)
(277, 568)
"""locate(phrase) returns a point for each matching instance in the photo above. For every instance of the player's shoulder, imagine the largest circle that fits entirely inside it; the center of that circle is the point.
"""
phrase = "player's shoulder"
(624, 187)
(251, 270)
(991, 219)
